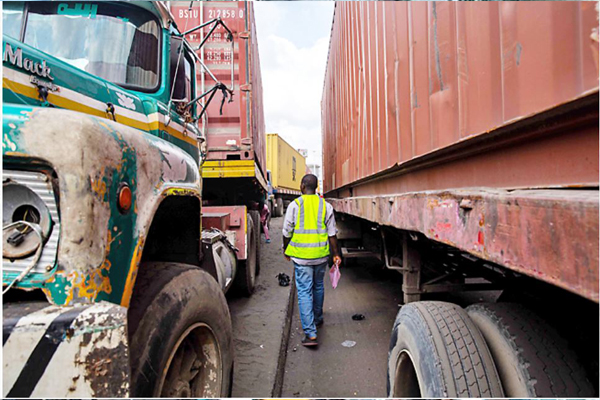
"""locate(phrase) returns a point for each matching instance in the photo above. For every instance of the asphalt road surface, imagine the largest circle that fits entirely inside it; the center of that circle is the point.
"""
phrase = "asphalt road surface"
(271, 362)
(333, 370)
(260, 324)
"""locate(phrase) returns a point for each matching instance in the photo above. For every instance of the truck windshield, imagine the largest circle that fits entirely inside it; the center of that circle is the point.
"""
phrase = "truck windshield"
(117, 42)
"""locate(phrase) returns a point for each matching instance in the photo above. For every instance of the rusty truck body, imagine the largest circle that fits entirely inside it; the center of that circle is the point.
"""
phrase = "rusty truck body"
(113, 272)
(472, 166)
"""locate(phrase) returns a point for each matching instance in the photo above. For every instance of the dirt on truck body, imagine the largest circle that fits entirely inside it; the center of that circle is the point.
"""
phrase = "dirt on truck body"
(472, 165)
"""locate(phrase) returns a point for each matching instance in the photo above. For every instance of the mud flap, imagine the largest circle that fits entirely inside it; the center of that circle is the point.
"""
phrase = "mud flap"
(58, 352)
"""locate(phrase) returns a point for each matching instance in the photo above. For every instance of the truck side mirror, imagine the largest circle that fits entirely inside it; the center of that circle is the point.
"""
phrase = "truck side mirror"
(179, 93)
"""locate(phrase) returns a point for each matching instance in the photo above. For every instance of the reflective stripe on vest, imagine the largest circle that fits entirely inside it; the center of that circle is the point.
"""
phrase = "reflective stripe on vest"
(310, 239)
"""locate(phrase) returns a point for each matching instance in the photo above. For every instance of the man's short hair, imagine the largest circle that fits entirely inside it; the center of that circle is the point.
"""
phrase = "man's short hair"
(310, 182)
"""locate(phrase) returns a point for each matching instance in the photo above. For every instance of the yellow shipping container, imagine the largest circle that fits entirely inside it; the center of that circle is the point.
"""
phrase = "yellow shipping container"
(286, 164)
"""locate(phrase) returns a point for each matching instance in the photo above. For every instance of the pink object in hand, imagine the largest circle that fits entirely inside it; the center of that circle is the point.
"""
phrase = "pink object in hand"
(335, 275)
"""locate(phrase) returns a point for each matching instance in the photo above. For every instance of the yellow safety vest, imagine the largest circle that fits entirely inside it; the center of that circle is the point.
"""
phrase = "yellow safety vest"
(310, 239)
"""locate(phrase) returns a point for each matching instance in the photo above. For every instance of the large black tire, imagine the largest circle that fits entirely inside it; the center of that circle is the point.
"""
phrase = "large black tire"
(257, 228)
(178, 312)
(245, 277)
(531, 358)
(278, 207)
(437, 352)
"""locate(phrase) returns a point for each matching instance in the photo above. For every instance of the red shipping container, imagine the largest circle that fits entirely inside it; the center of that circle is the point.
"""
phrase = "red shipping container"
(239, 133)
(409, 81)
(436, 114)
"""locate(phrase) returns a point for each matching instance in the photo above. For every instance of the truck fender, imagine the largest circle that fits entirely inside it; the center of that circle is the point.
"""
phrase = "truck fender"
(100, 247)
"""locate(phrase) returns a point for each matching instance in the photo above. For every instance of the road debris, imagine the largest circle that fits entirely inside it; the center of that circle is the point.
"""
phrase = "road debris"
(284, 279)
(358, 317)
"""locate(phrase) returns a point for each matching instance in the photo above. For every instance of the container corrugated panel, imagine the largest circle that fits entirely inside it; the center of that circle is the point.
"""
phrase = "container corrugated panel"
(286, 164)
(408, 79)
(239, 132)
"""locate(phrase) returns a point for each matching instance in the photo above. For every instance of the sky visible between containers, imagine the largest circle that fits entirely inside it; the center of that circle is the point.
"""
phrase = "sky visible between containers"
(293, 41)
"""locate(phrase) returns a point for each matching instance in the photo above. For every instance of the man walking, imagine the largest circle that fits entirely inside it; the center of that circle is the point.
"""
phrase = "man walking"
(308, 232)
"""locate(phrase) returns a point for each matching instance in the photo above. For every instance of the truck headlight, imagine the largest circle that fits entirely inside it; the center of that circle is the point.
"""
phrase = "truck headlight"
(31, 224)
(20, 203)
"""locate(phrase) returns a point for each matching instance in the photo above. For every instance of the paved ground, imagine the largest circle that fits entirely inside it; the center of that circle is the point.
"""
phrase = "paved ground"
(259, 323)
(337, 371)
(261, 326)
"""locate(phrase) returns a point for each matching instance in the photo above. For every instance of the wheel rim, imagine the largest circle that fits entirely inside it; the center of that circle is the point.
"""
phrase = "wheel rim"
(194, 367)
(406, 382)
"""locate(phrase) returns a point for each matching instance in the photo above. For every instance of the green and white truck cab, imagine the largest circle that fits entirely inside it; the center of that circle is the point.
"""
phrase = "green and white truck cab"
(111, 289)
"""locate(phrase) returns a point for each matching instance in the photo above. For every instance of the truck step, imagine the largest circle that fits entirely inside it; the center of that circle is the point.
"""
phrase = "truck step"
(349, 252)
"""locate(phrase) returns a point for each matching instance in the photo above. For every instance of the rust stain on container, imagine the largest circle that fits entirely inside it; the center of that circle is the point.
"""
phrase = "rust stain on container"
(516, 229)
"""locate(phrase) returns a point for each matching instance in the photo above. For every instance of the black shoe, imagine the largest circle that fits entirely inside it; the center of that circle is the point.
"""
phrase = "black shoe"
(306, 341)
(319, 324)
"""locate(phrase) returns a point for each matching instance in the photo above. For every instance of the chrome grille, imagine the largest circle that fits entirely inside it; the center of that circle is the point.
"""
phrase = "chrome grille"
(39, 184)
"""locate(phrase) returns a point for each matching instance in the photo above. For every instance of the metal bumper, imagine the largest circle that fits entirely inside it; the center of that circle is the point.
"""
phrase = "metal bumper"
(58, 352)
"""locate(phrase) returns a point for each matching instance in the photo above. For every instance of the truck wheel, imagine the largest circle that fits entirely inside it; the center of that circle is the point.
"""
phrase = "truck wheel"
(279, 207)
(245, 278)
(180, 334)
(437, 351)
(531, 358)
(257, 228)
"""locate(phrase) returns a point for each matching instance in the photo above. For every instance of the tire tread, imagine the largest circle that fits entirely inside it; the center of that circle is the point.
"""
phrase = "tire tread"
(241, 282)
(465, 356)
(550, 367)
(257, 237)
(163, 292)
